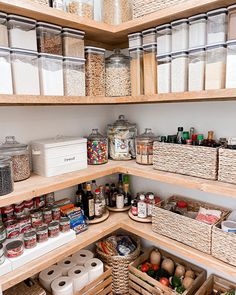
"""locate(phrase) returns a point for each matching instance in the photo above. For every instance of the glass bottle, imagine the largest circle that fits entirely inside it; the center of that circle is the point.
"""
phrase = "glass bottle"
(180, 138)
(79, 196)
(120, 184)
(113, 193)
(98, 208)
(127, 194)
(150, 204)
(210, 140)
(200, 139)
(107, 194)
(93, 186)
(142, 207)
(103, 199)
(97, 148)
(90, 203)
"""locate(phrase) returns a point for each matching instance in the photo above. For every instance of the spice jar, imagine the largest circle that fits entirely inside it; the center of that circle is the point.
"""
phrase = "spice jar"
(19, 154)
(179, 71)
(144, 147)
(231, 64)
(149, 36)
(121, 139)
(196, 69)
(97, 146)
(135, 40)
(95, 71)
(180, 35)
(5, 67)
(150, 69)
(216, 26)
(3, 30)
(6, 176)
(73, 42)
(116, 12)
(118, 74)
(163, 33)
(82, 8)
(197, 30)
(164, 73)
(136, 70)
(232, 22)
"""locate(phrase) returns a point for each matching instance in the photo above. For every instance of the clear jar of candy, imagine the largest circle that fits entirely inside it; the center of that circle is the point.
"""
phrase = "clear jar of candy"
(144, 147)
(97, 147)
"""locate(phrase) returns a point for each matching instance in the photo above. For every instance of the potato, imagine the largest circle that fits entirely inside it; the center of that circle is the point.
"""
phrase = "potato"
(180, 271)
(187, 282)
(190, 273)
(168, 265)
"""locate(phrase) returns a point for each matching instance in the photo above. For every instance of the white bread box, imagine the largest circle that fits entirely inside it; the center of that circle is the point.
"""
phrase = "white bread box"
(55, 156)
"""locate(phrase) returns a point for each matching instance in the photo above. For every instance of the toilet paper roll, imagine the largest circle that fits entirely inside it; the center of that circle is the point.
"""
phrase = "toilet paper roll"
(80, 277)
(62, 286)
(95, 268)
(47, 276)
(66, 264)
(82, 256)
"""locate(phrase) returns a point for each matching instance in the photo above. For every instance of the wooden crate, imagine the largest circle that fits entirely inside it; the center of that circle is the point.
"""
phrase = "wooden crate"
(23, 288)
(141, 283)
(215, 283)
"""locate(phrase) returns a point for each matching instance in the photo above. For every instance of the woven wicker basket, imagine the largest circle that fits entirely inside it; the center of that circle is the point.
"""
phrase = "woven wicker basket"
(42, 2)
(227, 165)
(186, 230)
(120, 270)
(184, 159)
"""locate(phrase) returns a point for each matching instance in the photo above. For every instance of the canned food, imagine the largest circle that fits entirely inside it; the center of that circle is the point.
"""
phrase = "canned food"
(8, 209)
(29, 205)
(30, 239)
(64, 224)
(19, 208)
(3, 233)
(56, 212)
(36, 218)
(42, 233)
(39, 202)
(49, 199)
(24, 223)
(12, 228)
(14, 249)
(2, 256)
(7, 217)
(53, 229)
(47, 214)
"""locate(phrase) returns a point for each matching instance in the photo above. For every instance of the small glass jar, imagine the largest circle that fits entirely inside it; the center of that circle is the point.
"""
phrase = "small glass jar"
(231, 64)
(5, 70)
(116, 12)
(179, 71)
(215, 66)
(95, 71)
(136, 70)
(73, 42)
(164, 73)
(118, 74)
(6, 176)
(163, 39)
(82, 8)
(232, 22)
(135, 40)
(196, 69)
(74, 76)
(3, 30)
(150, 69)
(216, 26)
(19, 154)
(144, 147)
(149, 36)
(97, 146)
(180, 35)
(197, 30)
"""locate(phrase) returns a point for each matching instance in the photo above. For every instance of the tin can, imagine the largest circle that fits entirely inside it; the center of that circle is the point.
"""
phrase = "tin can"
(42, 233)
(3, 233)
(56, 212)
(30, 239)
(2, 256)
(7, 217)
(29, 205)
(53, 229)
(49, 199)
(8, 209)
(36, 218)
(24, 223)
(39, 202)
(19, 208)
(14, 249)
(64, 224)
(47, 214)
(13, 229)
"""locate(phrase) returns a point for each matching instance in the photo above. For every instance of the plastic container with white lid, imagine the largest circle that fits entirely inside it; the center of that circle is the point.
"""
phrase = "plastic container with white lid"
(196, 70)
(51, 74)
(232, 22)
(25, 72)
(73, 42)
(3, 30)
(149, 36)
(150, 68)
(217, 26)
(135, 40)
(179, 35)
(22, 32)
(179, 71)
(5, 70)
(164, 73)
(197, 30)
(163, 34)
(231, 64)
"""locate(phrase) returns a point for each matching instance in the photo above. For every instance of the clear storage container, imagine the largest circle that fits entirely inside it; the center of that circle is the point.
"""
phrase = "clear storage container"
(116, 12)
(97, 146)
(20, 157)
(232, 22)
(136, 70)
(144, 147)
(217, 26)
(150, 69)
(149, 36)
(215, 66)
(22, 32)
(180, 35)
(95, 71)
(5, 71)
(231, 64)
(25, 72)
(3, 30)
(51, 74)
(135, 40)
(6, 176)
(49, 38)
(121, 139)
(179, 71)
(163, 39)
(164, 73)
(58, 4)
(73, 43)
(74, 76)
(118, 74)
(196, 70)
(82, 8)
(197, 30)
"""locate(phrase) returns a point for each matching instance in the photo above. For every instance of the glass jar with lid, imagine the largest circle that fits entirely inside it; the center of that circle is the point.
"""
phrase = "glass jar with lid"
(118, 74)
(73, 42)
(116, 12)
(19, 154)
(121, 139)
(6, 176)
(144, 147)
(97, 146)
(82, 8)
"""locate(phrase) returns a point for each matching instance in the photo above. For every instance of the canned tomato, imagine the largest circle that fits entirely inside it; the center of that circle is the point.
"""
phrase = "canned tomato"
(8, 209)
(53, 229)
(49, 199)
(42, 233)
(14, 249)
(2, 256)
(47, 214)
(3, 233)
(36, 218)
(24, 223)
(19, 208)
(7, 217)
(56, 212)
(64, 224)
(29, 205)
(39, 202)
(12, 228)
(30, 239)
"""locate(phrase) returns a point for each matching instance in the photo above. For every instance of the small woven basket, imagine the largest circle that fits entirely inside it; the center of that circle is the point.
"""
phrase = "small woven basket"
(42, 2)
(227, 165)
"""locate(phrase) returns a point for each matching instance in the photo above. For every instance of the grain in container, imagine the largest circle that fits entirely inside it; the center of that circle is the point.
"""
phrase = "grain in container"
(232, 22)
(6, 175)
(55, 156)
(136, 70)
(49, 38)
(74, 76)
(82, 8)
(149, 36)
(25, 69)
(164, 73)
(97, 148)
(231, 64)
(116, 12)
(135, 40)
(196, 69)
(150, 69)
(3, 30)
(95, 71)
(144, 147)
(163, 34)
(179, 71)
(42, 2)
(5, 71)
(73, 42)
(51, 74)
(217, 26)
(197, 30)
(215, 66)
(22, 32)
(180, 35)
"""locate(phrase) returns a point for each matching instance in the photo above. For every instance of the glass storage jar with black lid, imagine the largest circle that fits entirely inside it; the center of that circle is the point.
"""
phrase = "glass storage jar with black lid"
(6, 175)
(19, 154)
(97, 146)
(144, 147)
(121, 139)
(82, 8)
(116, 12)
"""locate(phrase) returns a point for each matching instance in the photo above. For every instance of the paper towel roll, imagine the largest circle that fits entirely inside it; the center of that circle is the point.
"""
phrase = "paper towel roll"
(80, 277)
(82, 256)
(66, 264)
(62, 286)
(95, 268)
(47, 276)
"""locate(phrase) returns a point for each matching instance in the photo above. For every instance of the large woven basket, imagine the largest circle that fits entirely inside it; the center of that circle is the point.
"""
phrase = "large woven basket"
(186, 230)
(227, 165)
(120, 270)
(184, 159)
(42, 2)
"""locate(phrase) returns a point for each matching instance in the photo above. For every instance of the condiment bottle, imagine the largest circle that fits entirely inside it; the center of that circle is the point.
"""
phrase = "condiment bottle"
(142, 207)
(98, 210)
(134, 207)
(150, 204)
(180, 135)
(90, 203)
(119, 201)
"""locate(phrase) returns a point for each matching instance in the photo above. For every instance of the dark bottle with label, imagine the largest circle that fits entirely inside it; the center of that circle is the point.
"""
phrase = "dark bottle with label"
(180, 135)
(120, 184)
(113, 193)
(210, 140)
(107, 194)
(127, 194)
(90, 203)
(79, 197)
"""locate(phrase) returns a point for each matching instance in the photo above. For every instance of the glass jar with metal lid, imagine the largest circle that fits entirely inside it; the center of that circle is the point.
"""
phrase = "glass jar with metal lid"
(121, 139)
(19, 154)
(118, 74)
(6, 176)
(97, 146)
(144, 147)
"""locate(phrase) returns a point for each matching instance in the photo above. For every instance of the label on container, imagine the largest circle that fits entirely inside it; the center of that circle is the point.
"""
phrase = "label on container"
(142, 210)
(121, 146)
(98, 209)
(91, 207)
(149, 209)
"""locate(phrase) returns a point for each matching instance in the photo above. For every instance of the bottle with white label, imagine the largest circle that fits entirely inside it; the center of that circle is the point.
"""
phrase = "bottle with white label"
(58, 4)
(150, 205)
(98, 204)
(142, 207)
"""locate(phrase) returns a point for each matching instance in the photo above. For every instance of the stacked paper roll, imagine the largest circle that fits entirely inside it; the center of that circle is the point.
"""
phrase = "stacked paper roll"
(66, 264)
(82, 257)
(80, 277)
(62, 286)
(47, 276)
(95, 268)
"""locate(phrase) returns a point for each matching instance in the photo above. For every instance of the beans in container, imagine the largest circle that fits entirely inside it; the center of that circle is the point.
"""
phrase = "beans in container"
(24, 223)
(14, 249)
(64, 224)
(53, 229)
(47, 214)
(42, 233)
(97, 146)
(2, 256)
(30, 239)
(39, 202)
(3, 233)
(13, 229)
(49, 199)
(36, 218)
(56, 212)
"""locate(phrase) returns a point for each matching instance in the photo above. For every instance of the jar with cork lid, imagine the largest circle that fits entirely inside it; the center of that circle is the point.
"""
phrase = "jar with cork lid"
(144, 147)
